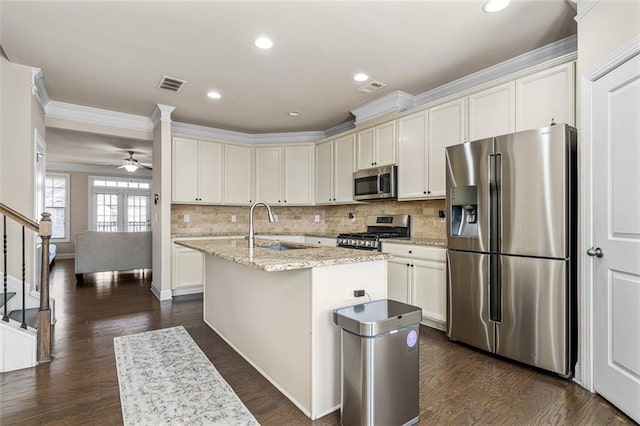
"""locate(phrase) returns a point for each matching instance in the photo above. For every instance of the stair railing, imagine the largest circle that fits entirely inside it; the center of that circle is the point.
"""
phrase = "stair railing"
(43, 324)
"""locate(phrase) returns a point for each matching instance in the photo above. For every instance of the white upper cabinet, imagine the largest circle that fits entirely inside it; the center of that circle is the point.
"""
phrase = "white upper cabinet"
(298, 174)
(285, 174)
(335, 161)
(196, 171)
(412, 156)
(447, 126)
(269, 174)
(545, 96)
(492, 112)
(238, 167)
(377, 146)
(344, 162)
(324, 172)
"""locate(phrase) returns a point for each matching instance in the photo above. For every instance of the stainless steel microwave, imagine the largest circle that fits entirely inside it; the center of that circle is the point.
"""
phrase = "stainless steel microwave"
(378, 183)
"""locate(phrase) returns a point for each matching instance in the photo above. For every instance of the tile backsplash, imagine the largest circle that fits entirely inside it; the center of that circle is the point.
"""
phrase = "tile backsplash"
(425, 222)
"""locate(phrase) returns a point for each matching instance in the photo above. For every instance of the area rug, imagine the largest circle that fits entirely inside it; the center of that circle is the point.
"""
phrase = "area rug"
(165, 379)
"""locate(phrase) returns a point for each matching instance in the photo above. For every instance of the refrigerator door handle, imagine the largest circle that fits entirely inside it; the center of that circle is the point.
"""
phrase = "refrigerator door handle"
(495, 209)
(495, 289)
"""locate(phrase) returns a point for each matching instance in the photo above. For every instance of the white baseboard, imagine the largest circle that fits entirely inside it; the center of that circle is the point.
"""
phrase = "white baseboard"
(63, 256)
(186, 291)
(161, 295)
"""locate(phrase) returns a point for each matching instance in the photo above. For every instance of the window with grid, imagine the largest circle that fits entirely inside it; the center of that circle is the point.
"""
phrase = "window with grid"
(56, 202)
(120, 204)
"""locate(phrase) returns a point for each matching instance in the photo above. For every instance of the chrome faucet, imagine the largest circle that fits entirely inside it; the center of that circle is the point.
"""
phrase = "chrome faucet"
(252, 238)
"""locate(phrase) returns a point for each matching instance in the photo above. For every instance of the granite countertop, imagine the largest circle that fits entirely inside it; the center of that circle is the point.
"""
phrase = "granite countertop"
(308, 256)
(241, 234)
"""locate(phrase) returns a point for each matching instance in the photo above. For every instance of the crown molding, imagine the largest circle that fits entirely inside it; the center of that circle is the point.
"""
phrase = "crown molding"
(102, 117)
(395, 101)
(584, 6)
(210, 133)
(37, 87)
(95, 169)
(161, 113)
(340, 128)
(554, 51)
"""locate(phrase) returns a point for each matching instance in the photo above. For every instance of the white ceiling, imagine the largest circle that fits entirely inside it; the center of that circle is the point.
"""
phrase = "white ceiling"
(111, 55)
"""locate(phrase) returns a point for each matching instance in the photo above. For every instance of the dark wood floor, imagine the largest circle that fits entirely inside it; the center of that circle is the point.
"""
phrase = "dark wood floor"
(458, 385)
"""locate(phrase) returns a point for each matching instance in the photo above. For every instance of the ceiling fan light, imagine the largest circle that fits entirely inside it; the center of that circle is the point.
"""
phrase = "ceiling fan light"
(130, 167)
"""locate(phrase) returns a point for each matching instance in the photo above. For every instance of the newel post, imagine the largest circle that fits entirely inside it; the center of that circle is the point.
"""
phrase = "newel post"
(44, 313)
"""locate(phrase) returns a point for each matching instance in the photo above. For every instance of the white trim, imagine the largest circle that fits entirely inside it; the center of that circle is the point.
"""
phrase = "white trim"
(230, 136)
(103, 117)
(584, 6)
(340, 128)
(90, 168)
(614, 60)
(547, 56)
(161, 113)
(164, 295)
(395, 101)
(37, 88)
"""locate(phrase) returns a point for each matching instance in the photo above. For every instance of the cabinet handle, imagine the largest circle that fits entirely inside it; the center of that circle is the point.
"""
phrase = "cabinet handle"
(428, 192)
(424, 192)
(408, 264)
(285, 201)
(412, 265)
(410, 252)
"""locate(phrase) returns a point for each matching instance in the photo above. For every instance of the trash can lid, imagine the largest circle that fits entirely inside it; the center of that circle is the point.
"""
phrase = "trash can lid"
(378, 317)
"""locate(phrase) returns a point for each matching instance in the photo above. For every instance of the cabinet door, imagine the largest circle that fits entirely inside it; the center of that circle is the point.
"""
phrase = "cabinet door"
(238, 174)
(344, 162)
(298, 174)
(544, 96)
(492, 112)
(412, 156)
(429, 289)
(324, 172)
(385, 144)
(365, 149)
(398, 280)
(184, 174)
(269, 174)
(447, 126)
(210, 172)
(188, 268)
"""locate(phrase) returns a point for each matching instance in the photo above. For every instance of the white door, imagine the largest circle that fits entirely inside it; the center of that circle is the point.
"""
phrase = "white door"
(616, 232)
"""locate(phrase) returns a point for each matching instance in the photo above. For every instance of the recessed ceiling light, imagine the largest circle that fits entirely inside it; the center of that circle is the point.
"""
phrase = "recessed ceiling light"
(294, 113)
(263, 43)
(361, 77)
(214, 95)
(492, 6)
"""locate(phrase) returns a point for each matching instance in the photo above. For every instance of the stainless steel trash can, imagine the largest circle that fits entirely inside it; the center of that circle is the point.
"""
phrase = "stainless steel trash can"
(380, 363)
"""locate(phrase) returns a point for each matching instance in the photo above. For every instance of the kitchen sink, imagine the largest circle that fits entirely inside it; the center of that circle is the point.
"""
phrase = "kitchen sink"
(281, 247)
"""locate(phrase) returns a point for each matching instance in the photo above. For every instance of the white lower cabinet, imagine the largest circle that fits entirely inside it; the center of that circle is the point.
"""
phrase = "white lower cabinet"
(416, 275)
(187, 270)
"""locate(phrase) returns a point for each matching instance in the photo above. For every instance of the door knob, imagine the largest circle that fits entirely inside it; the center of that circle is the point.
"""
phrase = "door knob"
(595, 251)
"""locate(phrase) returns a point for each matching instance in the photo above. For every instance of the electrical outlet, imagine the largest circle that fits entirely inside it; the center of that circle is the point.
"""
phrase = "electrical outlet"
(316, 218)
(350, 293)
(275, 217)
(353, 217)
(233, 218)
(186, 218)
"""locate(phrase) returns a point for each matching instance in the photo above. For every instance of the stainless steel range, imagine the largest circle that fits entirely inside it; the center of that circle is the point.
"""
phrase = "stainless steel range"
(378, 227)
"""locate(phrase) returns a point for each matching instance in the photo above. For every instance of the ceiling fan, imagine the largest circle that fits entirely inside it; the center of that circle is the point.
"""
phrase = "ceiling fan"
(131, 164)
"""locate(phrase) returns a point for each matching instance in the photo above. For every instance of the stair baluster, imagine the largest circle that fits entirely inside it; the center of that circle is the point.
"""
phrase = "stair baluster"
(24, 285)
(4, 228)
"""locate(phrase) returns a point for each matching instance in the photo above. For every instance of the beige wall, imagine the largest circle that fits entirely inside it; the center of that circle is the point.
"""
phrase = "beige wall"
(605, 28)
(19, 116)
(425, 222)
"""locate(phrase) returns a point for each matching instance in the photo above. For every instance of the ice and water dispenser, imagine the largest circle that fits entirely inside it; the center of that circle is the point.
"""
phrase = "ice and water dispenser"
(464, 211)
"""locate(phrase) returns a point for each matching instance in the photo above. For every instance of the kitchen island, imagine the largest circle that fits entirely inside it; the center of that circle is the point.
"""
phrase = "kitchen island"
(274, 307)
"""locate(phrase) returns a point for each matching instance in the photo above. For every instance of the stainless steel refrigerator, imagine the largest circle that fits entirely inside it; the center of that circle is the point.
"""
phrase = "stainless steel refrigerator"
(511, 245)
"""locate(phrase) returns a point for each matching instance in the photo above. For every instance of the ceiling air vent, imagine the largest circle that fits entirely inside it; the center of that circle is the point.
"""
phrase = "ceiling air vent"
(170, 83)
(371, 87)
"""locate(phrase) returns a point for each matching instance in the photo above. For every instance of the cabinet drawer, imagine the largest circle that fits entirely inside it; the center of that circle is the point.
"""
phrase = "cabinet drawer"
(412, 251)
